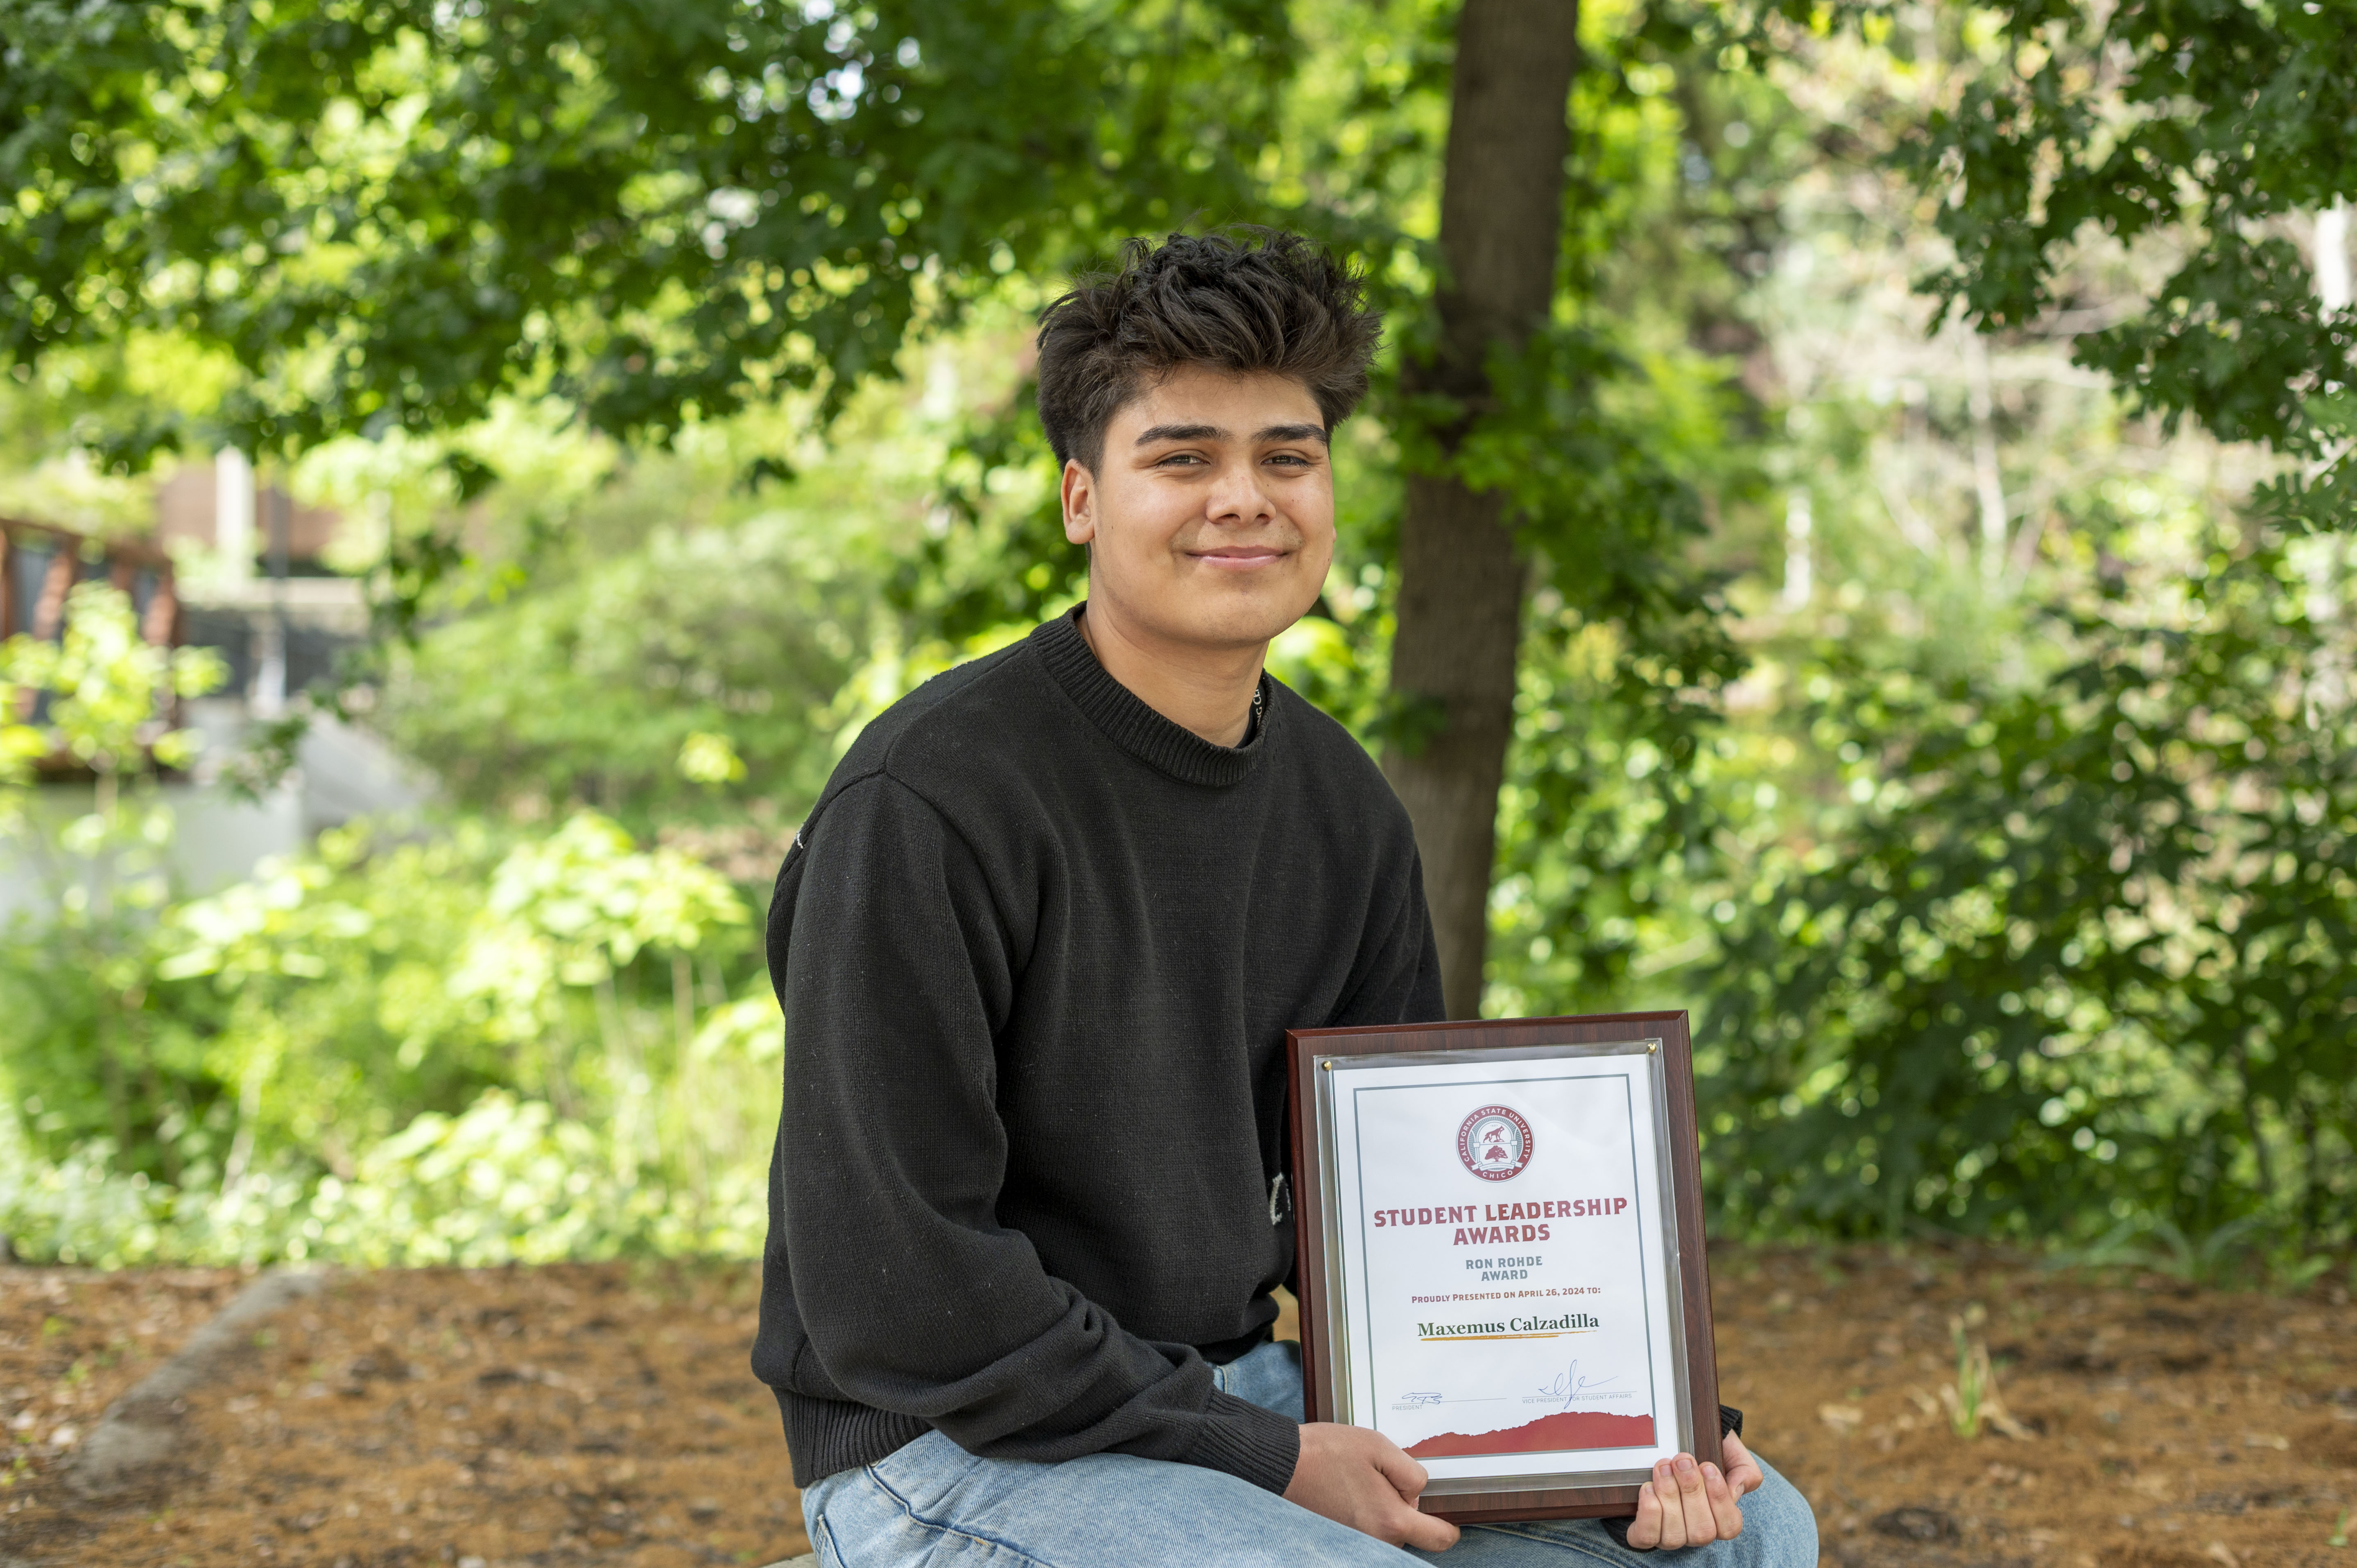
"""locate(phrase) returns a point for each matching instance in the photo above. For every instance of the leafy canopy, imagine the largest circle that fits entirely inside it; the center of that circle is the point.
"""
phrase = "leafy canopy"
(2202, 130)
(390, 212)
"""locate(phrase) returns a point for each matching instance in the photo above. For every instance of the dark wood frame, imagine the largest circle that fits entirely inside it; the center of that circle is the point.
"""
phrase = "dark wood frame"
(1303, 1046)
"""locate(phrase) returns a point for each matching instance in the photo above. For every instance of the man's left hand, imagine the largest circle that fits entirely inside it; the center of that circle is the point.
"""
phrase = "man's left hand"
(1690, 1504)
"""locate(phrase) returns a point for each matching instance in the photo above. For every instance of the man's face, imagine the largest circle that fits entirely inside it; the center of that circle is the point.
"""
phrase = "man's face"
(1210, 513)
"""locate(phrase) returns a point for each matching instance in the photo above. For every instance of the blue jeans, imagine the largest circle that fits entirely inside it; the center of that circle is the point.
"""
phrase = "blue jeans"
(933, 1504)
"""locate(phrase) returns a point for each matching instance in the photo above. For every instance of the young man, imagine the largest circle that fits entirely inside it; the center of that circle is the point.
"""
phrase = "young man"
(1038, 946)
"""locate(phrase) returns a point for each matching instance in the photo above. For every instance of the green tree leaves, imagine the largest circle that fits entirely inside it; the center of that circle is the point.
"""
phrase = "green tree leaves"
(2203, 126)
(391, 211)
(2088, 958)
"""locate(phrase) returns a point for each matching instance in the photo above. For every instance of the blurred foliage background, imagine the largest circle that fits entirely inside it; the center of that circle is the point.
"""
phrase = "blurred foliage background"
(1936, 653)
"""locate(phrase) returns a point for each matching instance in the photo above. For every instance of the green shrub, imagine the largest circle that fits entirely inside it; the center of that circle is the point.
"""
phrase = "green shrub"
(2090, 956)
(452, 1049)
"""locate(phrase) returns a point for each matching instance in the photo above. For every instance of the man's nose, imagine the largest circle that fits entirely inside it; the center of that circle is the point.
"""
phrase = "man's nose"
(1238, 498)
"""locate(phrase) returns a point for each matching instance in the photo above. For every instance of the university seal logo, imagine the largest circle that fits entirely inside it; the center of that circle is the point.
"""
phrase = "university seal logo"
(1494, 1143)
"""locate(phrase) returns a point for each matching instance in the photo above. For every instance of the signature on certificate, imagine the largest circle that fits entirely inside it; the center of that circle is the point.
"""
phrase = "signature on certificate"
(1568, 1385)
(1418, 1400)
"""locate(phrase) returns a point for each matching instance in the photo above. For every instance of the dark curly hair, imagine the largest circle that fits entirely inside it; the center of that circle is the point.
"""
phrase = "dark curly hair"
(1246, 300)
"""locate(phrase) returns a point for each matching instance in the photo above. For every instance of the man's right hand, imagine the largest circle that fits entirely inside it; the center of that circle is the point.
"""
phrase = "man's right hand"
(1360, 1478)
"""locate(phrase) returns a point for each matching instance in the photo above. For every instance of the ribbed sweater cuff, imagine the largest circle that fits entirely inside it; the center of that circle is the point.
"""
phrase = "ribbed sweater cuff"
(1246, 1441)
(824, 1436)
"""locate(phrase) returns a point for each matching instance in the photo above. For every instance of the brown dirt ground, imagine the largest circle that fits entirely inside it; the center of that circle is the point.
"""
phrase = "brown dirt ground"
(603, 1414)
(580, 1414)
(2168, 1426)
(71, 1340)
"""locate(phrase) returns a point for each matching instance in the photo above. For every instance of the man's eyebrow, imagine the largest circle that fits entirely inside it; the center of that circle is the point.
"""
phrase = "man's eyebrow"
(1181, 433)
(1213, 433)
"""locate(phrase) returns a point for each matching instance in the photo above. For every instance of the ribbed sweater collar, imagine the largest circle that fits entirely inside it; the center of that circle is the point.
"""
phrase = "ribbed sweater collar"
(1138, 729)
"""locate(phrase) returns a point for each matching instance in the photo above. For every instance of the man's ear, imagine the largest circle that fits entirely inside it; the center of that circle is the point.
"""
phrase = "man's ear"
(1079, 503)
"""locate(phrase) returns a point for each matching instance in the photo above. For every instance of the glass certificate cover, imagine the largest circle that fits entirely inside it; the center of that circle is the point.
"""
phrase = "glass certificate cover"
(1500, 1284)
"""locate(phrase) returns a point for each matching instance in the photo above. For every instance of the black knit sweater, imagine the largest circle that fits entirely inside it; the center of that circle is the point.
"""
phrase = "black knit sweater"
(1038, 949)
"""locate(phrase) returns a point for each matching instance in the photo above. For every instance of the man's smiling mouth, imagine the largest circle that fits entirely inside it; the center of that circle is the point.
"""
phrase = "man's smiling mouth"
(1236, 557)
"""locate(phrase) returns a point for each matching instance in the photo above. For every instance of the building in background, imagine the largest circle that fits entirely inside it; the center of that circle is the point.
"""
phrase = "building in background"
(39, 567)
(269, 605)
(280, 620)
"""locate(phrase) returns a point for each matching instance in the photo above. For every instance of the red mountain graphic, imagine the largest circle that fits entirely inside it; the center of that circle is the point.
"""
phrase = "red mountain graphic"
(1547, 1434)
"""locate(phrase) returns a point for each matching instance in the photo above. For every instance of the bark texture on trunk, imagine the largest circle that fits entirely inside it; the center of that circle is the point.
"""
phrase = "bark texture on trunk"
(1460, 591)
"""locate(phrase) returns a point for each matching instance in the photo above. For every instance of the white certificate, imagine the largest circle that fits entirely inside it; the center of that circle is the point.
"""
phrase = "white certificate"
(1502, 1261)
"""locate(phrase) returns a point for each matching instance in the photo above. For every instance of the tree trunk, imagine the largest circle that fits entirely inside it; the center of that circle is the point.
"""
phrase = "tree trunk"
(1460, 592)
